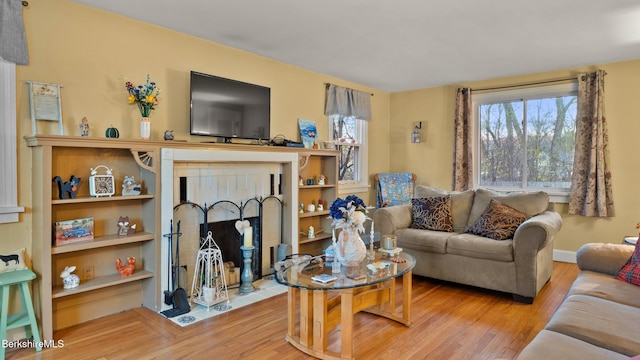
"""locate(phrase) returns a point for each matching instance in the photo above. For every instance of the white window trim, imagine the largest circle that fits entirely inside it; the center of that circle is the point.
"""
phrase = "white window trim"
(9, 208)
(555, 195)
(362, 185)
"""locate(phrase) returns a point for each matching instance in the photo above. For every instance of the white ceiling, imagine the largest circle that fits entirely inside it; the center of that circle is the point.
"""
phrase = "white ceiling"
(397, 45)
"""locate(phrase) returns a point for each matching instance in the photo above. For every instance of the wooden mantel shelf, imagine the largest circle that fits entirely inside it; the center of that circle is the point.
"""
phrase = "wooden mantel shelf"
(149, 145)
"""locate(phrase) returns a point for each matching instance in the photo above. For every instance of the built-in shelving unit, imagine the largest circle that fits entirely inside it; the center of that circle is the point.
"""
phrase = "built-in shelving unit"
(312, 165)
(102, 289)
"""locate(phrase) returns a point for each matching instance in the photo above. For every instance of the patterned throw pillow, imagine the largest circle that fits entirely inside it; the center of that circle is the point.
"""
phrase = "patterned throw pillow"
(432, 213)
(12, 261)
(498, 221)
(630, 271)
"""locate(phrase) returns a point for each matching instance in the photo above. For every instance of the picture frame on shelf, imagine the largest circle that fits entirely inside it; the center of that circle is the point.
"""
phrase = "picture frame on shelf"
(73, 231)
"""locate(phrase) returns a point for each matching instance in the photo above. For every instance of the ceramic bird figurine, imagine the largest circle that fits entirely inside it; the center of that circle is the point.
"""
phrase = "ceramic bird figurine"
(126, 270)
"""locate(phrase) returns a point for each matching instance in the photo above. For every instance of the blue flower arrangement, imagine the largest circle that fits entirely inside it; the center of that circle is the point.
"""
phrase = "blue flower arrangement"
(349, 212)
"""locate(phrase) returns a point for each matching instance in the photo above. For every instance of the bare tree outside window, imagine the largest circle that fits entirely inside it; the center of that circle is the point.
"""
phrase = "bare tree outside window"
(527, 143)
(346, 132)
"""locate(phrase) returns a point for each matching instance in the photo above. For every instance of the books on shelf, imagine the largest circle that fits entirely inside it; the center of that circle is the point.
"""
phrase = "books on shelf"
(324, 278)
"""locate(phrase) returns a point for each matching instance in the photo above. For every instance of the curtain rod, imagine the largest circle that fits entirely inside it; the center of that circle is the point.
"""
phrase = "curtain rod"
(327, 85)
(526, 84)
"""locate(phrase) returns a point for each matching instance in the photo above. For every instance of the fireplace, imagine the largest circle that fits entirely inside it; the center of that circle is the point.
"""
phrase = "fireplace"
(248, 179)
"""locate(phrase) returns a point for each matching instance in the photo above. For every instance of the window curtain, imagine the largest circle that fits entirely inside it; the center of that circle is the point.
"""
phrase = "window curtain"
(347, 102)
(13, 40)
(462, 166)
(591, 188)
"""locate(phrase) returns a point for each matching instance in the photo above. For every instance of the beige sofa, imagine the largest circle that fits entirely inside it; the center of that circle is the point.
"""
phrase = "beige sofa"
(520, 265)
(600, 316)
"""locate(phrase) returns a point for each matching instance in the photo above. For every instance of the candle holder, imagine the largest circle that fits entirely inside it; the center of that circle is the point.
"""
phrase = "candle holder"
(246, 278)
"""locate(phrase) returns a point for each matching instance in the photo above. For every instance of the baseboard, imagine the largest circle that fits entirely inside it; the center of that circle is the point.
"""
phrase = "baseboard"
(564, 256)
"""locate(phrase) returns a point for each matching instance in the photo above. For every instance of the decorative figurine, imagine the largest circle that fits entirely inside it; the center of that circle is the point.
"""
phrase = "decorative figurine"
(69, 280)
(321, 180)
(301, 208)
(312, 233)
(124, 228)
(112, 132)
(320, 206)
(311, 207)
(67, 188)
(300, 180)
(168, 135)
(84, 127)
(126, 270)
(129, 186)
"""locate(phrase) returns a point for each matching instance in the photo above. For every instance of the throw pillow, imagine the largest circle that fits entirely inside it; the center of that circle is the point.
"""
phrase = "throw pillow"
(630, 271)
(461, 202)
(432, 213)
(12, 261)
(532, 203)
(499, 221)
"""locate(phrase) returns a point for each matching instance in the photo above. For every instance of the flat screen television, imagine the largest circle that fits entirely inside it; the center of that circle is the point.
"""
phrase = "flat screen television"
(228, 108)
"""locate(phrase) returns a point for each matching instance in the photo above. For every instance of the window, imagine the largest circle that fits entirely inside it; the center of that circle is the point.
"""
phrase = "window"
(8, 152)
(350, 135)
(525, 139)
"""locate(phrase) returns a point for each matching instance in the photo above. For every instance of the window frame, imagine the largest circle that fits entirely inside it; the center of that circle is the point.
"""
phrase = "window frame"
(9, 209)
(362, 184)
(546, 91)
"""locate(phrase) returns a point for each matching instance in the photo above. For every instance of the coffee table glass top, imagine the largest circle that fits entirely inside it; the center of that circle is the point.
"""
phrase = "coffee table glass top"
(381, 269)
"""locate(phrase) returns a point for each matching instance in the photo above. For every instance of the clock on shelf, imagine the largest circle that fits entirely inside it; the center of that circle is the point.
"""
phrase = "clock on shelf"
(101, 184)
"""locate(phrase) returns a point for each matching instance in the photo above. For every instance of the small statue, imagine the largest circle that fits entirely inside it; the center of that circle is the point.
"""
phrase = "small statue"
(300, 180)
(321, 180)
(129, 186)
(69, 280)
(67, 189)
(301, 208)
(84, 127)
(168, 135)
(126, 270)
(124, 227)
(320, 206)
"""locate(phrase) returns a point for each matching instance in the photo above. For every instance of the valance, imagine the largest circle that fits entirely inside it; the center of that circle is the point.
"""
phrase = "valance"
(13, 40)
(347, 102)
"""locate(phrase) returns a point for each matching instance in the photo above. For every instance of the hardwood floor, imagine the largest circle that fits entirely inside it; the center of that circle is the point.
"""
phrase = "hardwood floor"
(450, 322)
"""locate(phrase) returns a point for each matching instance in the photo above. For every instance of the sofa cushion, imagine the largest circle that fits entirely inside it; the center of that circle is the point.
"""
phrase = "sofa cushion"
(630, 271)
(432, 213)
(606, 287)
(552, 345)
(480, 247)
(600, 322)
(499, 221)
(461, 202)
(423, 240)
(531, 203)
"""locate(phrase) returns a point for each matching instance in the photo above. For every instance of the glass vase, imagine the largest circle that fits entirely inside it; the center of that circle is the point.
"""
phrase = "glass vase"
(145, 128)
(350, 249)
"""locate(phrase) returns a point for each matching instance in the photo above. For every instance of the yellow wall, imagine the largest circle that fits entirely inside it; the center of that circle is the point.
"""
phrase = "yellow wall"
(90, 52)
(432, 160)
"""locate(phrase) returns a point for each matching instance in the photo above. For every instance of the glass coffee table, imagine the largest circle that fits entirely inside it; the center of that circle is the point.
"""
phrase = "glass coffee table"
(371, 288)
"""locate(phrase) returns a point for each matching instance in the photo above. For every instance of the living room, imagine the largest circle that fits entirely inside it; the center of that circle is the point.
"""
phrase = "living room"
(90, 52)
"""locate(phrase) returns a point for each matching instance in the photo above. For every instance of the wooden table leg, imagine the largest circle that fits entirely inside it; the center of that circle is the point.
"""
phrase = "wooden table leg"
(346, 317)
(407, 293)
(320, 321)
(291, 312)
(306, 318)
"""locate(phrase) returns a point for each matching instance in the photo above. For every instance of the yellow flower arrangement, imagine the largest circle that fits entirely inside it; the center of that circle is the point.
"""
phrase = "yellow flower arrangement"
(145, 96)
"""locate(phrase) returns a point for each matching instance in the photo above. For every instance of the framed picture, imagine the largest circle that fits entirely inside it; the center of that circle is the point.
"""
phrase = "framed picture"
(308, 133)
(72, 231)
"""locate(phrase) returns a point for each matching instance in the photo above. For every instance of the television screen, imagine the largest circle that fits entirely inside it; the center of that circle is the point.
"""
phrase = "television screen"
(228, 108)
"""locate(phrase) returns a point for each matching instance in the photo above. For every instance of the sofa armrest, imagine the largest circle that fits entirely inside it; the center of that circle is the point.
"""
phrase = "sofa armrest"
(603, 258)
(389, 219)
(535, 233)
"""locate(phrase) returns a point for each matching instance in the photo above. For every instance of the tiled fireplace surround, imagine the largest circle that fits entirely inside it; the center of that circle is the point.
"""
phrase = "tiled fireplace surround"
(236, 176)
